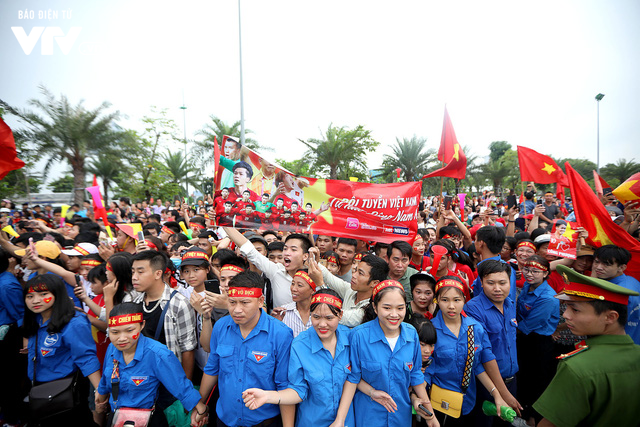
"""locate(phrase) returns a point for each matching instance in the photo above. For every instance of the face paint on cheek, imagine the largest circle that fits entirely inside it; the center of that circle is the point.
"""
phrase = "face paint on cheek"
(47, 300)
(135, 336)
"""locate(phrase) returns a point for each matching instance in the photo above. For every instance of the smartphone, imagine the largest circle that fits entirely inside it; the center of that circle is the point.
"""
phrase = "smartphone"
(140, 236)
(212, 286)
(447, 202)
(539, 201)
(511, 201)
(429, 413)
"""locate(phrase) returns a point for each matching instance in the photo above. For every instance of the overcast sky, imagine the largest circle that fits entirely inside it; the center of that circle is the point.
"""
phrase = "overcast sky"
(524, 72)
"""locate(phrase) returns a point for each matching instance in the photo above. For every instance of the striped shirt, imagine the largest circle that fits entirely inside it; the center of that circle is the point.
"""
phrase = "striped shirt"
(293, 320)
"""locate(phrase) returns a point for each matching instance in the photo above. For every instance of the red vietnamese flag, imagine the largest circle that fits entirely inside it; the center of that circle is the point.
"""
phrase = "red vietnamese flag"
(592, 215)
(9, 160)
(450, 152)
(539, 168)
(629, 190)
(216, 159)
(600, 184)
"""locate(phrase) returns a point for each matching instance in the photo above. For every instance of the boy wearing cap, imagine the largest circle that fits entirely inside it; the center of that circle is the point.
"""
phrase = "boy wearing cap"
(610, 262)
(598, 383)
(249, 349)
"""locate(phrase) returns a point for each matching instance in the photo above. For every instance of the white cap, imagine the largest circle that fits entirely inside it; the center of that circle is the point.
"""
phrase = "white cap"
(81, 249)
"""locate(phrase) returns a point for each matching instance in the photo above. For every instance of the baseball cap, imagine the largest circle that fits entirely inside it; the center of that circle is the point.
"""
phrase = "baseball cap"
(45, 248)
(194, 256)
(81, 249)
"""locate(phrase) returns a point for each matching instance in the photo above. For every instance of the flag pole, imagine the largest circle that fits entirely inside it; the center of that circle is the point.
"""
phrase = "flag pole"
(524, 202)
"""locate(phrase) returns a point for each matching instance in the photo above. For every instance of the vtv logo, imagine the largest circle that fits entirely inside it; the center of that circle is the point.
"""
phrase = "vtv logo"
(28, 42)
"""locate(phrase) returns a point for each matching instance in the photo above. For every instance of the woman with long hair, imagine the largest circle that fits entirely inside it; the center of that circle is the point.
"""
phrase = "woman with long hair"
(60, 345)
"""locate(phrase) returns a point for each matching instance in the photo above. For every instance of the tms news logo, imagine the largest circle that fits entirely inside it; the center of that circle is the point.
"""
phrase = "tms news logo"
(47, 35)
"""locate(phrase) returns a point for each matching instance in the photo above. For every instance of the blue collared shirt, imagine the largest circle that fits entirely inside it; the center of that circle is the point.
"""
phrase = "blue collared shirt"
(632, 328)
(477, 284)
(538, 311)
(153, 363)
(450, 357)
(318, 377)
(11, 299)
(261, 360)
(62, 353)
(390, 371)
(501, 329)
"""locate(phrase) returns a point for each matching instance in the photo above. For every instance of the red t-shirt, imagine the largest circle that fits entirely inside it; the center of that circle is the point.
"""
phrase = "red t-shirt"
(102, 342)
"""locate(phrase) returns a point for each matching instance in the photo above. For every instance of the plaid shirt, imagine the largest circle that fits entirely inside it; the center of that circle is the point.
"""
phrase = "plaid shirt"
(179, 323)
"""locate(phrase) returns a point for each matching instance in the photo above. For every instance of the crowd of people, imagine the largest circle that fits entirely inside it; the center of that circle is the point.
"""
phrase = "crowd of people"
(232, 312)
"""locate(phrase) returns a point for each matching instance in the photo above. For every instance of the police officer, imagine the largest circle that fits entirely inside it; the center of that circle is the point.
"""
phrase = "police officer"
(597, 384)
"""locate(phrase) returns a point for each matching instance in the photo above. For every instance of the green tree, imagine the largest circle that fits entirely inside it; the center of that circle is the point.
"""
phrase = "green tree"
(70, 133)
(181, 170)
(340, 152)
(502, 172)
(411, 156)
(298, 167)
(497, 149)
(62, 185)
(619, 171)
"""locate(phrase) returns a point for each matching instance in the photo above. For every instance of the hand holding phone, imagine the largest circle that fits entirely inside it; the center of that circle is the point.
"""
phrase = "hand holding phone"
(140, 237)
(212, 286)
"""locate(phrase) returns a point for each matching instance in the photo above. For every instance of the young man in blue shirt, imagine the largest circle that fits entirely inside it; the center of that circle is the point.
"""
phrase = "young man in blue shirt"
(249, 349)
(489, 242)
(610, 262)
(496, 312)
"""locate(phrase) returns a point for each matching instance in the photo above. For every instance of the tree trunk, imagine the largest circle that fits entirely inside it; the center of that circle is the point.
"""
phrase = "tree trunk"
(333, 172)
(105, 196)
(78, 182)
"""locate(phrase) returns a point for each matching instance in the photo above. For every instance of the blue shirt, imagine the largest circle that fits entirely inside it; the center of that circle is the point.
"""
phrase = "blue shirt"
(261, 360)
(70, 293)
(529, 204)
(390, 371)
(318, 377)
(633, 307)
(538, 311)
(63, 353)
(450, 357)
(11, 299)
(153, 363)
(501, 328)
(477, 284)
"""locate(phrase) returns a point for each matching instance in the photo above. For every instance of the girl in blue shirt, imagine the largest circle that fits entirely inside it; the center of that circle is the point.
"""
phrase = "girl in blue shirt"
(59, 344)
(318, 367)
(385, 362)
(135, 366)
(450, 353)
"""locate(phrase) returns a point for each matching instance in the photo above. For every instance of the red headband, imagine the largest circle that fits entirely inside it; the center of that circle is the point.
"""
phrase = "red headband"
(40, 287)
(537, 265)
(527, 245)
(332, 259)
(304, 276)
(195, 224)
(109, 267)
(386, 284)
(167, 230)
(327, 299)
(80, 249)
(125, 319)
(450, 283)
(231, 267)
(90, 262)
(358, 257)
(245, 292)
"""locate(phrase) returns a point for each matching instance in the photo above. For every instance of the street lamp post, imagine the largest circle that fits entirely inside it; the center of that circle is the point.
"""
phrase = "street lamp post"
(184, 126)
(241, 89)
(598, 99)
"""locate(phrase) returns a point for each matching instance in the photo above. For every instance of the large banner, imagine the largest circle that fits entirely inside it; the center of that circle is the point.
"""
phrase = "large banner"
(255, 193)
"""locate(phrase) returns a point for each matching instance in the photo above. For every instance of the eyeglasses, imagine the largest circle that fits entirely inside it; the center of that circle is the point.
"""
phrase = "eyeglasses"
(532, 271)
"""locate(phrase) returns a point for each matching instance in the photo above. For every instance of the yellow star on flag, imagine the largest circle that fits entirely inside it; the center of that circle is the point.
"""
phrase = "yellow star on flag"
(316, 194)
(569, 232)
(600, 237)
(548, 168)
(624, 193)
(456, 150)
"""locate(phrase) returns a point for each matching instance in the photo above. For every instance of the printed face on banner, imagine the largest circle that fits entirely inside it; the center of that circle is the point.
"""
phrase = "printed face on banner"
(380, 212)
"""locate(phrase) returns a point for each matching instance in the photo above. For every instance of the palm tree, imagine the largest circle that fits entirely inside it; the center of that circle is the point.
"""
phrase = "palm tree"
(203, 150)
(70, 133)
(181, 169)
(410, 155)
(620, 170)
(107, 168)
(340, 150)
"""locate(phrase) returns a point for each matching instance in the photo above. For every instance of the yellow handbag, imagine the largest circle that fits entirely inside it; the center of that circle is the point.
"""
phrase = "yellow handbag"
(446, 401)
(450, 402)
